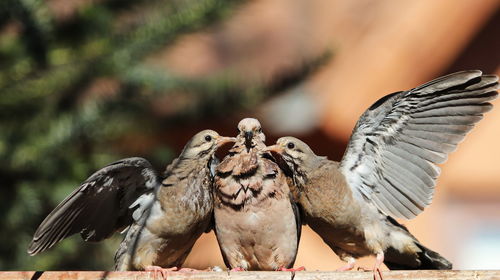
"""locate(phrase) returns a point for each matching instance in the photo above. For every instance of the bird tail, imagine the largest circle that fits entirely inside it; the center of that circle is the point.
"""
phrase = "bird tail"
(432, 260)
(428, 260)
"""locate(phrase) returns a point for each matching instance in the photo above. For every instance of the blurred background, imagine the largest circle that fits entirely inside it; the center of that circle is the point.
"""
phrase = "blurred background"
(86, 82)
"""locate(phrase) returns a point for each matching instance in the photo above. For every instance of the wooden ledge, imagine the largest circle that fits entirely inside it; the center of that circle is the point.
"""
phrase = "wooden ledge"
(261, 275)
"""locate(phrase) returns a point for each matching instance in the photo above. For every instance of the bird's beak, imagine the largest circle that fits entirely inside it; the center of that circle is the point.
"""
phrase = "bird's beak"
(274, 149)
(221, 141)
(248, 139)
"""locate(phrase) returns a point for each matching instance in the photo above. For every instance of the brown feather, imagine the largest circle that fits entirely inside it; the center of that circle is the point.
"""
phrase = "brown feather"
(255, 220)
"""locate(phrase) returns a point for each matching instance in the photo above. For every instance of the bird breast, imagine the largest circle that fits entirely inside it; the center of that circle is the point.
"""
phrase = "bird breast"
(246, 179)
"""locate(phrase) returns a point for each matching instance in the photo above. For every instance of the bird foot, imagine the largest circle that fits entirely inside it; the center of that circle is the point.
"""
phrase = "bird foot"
(364, 269)
(237, 269)
(377, 272)
(376, 268)
(193, 270)
(163, 272)
(300, 268)
(157, 270)
(345, 268)
(348, 266)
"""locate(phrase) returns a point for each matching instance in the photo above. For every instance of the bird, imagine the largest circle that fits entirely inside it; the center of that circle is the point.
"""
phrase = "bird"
(388, 171)
(163, 215)
(257, 225)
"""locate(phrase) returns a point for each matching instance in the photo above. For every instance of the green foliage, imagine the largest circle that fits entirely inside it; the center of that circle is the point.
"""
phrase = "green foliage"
(54, 134)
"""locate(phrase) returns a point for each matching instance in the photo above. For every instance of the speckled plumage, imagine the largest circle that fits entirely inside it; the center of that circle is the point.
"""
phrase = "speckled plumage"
(256, 223)
(180, 213)
(165, 214)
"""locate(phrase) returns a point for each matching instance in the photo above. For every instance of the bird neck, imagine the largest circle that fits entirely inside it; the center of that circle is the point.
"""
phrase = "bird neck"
(186, 180)
(182, 166)
(306, 167)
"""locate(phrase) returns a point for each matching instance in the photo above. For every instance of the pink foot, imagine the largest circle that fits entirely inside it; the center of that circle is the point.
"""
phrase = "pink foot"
(173, 268)
(300, 268)
(193, 270)
(376, 268)
(163, 272)
(378, 272)
(348, 266)
(237, 269)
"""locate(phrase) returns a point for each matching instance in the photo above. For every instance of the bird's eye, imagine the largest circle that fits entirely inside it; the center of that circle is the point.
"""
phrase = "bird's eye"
(290, 145)
(208, 138)
(259, 130)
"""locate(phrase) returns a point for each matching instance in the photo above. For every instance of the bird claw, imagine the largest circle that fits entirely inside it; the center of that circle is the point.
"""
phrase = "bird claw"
(159, 270)
(363, 269)
(348, 266)
(193, 270)
(377, 271)
(345, 268)
(300, 268)
(237, 269)
(163, 272)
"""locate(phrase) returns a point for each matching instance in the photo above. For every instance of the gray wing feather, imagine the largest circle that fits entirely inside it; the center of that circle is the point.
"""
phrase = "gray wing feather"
(100, 206)
(451, 120)
(393, 151)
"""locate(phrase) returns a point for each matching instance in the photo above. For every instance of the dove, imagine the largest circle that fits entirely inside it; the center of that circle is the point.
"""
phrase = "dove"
(388, 171)
(164, 215)
(256, 223)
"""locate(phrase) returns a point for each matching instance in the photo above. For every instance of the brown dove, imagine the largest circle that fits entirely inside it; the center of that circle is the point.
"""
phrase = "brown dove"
(164, 216)
(388, 170)
(256, 223)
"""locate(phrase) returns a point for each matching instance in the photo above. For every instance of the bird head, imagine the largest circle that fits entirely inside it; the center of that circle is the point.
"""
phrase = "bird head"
(250, 131)
(292, 154)
(204, 144)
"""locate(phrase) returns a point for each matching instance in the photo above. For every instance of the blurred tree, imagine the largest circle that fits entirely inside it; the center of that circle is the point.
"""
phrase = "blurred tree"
(72, 91)
(53, 134)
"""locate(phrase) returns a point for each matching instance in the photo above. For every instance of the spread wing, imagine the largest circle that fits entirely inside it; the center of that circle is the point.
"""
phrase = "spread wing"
(103, 204)
(393, 151)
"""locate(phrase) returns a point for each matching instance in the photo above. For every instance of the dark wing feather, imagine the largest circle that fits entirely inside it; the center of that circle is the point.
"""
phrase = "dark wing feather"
(392, 154)
(298, 218)
(100, 206)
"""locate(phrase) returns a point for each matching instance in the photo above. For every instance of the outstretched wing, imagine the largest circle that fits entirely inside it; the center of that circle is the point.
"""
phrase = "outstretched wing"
(393, 151)
(100, 206)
